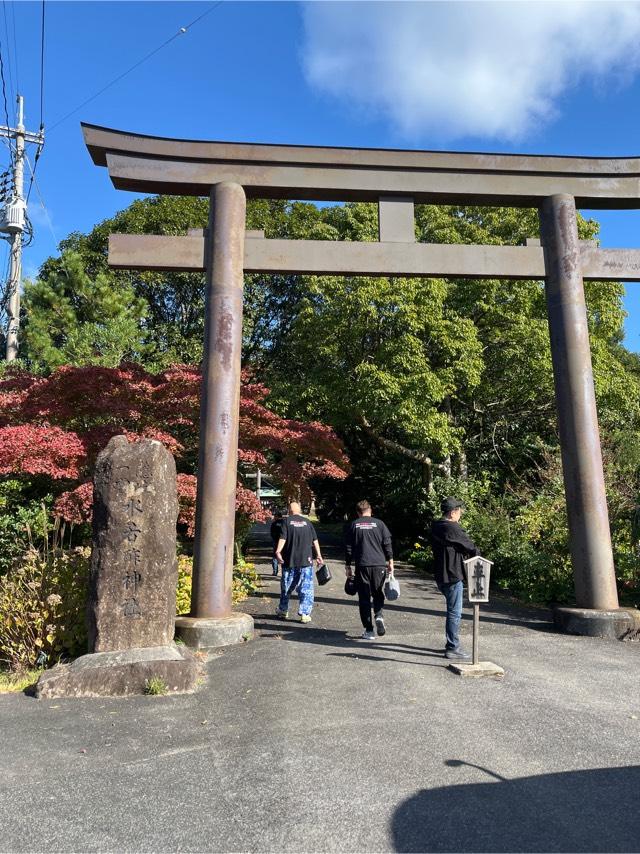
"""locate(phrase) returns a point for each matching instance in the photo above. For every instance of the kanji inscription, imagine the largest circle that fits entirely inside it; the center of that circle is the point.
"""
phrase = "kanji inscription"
(134, 568)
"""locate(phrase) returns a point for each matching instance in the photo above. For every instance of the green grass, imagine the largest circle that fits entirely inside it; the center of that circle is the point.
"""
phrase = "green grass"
(155, 686)
(11, 682)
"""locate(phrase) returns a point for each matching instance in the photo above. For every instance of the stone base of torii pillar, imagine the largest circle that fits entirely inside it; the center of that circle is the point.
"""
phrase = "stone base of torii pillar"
(614, 623)
(204, 634)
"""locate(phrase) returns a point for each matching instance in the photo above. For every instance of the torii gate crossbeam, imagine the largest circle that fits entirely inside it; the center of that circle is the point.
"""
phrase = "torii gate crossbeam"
(228, 172)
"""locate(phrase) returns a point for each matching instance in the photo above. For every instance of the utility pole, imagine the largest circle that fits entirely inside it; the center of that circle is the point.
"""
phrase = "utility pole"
(12, 224)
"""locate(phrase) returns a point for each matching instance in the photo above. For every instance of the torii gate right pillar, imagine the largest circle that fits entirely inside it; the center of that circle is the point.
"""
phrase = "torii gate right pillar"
(591, 553)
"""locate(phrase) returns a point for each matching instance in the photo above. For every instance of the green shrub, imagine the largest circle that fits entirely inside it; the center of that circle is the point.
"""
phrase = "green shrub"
(525, 535)
(245, 582)
(19, 515)
(43, 607)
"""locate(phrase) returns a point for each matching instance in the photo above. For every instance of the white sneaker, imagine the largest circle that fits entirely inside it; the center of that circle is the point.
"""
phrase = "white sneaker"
(305, 618)
(367, 636)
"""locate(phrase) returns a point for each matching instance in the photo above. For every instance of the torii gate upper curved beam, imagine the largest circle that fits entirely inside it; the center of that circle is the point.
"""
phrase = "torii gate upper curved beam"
(191, 167)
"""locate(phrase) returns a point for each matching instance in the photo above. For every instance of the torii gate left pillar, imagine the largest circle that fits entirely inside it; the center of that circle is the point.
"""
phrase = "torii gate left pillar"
(211, 622)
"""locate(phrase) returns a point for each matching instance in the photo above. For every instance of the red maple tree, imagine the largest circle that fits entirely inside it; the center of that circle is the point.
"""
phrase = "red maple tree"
(55, 426)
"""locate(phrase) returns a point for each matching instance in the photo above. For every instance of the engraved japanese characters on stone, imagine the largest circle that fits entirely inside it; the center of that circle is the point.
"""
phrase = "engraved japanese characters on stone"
(134, 566)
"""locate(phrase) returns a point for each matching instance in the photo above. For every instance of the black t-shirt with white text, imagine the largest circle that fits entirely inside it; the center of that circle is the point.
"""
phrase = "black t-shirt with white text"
(298, 534)
(368, 542)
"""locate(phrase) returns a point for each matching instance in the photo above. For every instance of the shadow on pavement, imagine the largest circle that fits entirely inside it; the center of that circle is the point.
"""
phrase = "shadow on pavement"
(292, 631)
(358, 655)
(593, 810)
(535, 624)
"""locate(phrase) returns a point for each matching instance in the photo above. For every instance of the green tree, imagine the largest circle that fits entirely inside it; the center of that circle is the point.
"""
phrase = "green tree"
(74, 318)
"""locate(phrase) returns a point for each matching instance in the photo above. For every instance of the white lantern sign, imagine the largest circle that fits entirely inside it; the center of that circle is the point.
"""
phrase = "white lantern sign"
(478, 570)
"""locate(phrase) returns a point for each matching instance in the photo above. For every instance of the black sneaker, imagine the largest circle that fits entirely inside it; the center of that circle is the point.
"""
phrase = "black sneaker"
(380, 626)
(457, 655)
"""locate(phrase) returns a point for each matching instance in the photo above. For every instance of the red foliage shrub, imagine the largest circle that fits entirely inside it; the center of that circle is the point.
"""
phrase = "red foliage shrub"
(76, 505)
(56, 426)
(41, 450)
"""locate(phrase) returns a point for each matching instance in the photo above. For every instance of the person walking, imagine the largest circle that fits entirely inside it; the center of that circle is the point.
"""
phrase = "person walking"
(294, 552)
(451, 545)
(368, 545)
(275, 531)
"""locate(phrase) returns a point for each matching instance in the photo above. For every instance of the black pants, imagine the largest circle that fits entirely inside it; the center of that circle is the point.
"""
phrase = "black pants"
(370, 583)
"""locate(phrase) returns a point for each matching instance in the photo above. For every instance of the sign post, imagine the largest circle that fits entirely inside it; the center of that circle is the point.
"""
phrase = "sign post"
(478, 572)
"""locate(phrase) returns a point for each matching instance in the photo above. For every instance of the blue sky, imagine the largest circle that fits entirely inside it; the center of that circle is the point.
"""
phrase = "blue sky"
(531, 77)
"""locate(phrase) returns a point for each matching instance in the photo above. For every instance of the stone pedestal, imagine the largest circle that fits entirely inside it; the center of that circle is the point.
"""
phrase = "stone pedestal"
(121, 673)
(615, 624)
(132, 586)
(482, 668)
(204, 634)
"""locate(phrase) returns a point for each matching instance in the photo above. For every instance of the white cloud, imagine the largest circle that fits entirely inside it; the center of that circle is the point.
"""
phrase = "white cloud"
(454, 69)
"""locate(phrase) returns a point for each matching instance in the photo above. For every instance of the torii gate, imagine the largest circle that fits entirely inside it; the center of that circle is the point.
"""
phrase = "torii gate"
(396, 180)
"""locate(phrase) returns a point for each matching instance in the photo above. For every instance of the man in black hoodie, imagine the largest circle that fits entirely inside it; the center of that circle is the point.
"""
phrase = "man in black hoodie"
(368, 544)
(451, 545)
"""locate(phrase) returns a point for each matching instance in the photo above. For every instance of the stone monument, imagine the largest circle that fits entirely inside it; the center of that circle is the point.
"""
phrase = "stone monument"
(132, 587)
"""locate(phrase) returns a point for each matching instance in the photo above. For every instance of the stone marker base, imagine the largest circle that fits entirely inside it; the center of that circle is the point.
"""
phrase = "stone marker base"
(199, 633)
(482, 668)
(121, 673)
(616, 624)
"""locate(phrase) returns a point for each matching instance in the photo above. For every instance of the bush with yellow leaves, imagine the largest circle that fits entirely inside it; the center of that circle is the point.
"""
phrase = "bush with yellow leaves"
(43, 607)
(245, 582)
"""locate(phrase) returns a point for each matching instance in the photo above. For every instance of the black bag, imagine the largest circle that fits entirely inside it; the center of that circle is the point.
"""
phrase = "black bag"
(350, 586)
(323, 574)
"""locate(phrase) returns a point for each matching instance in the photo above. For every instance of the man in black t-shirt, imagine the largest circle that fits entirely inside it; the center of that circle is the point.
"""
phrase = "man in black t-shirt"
(451, 545)
(298, 540)
(368, 545)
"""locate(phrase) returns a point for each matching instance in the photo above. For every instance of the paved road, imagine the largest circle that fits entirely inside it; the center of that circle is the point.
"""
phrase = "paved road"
(306, 739)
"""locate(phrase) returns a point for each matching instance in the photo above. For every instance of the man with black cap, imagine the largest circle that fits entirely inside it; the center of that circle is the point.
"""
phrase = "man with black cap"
(451, 545)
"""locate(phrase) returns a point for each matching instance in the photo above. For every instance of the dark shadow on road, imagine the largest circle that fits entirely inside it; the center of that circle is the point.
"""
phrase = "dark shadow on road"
(508, 613)
(536, 625)
(292, 631)
(358, 655)
(594, 810)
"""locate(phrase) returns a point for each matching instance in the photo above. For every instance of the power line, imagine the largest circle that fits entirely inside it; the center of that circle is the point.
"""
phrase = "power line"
(39, 149)
(41, 68)
(6, 33)
(4, 95)
(34, 180)
(180, 32)
(15, 48)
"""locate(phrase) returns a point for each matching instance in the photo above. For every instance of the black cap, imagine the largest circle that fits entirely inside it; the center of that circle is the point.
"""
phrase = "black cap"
(449, 504)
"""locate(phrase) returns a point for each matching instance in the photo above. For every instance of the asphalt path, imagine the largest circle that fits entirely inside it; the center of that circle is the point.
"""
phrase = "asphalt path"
(308, 739)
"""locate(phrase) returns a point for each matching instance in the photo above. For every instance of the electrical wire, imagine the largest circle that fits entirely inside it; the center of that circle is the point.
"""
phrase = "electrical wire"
(44, 207)
(40, 146)
(4, 95)
(41, 68)
(164, 44)
(15, 47)
(6, 33)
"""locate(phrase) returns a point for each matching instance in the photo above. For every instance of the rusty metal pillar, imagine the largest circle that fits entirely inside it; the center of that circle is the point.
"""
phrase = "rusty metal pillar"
(219, 404)
(591, 554)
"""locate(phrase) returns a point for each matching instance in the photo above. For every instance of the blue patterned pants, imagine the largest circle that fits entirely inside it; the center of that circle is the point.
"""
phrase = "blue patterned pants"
(298, 578)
